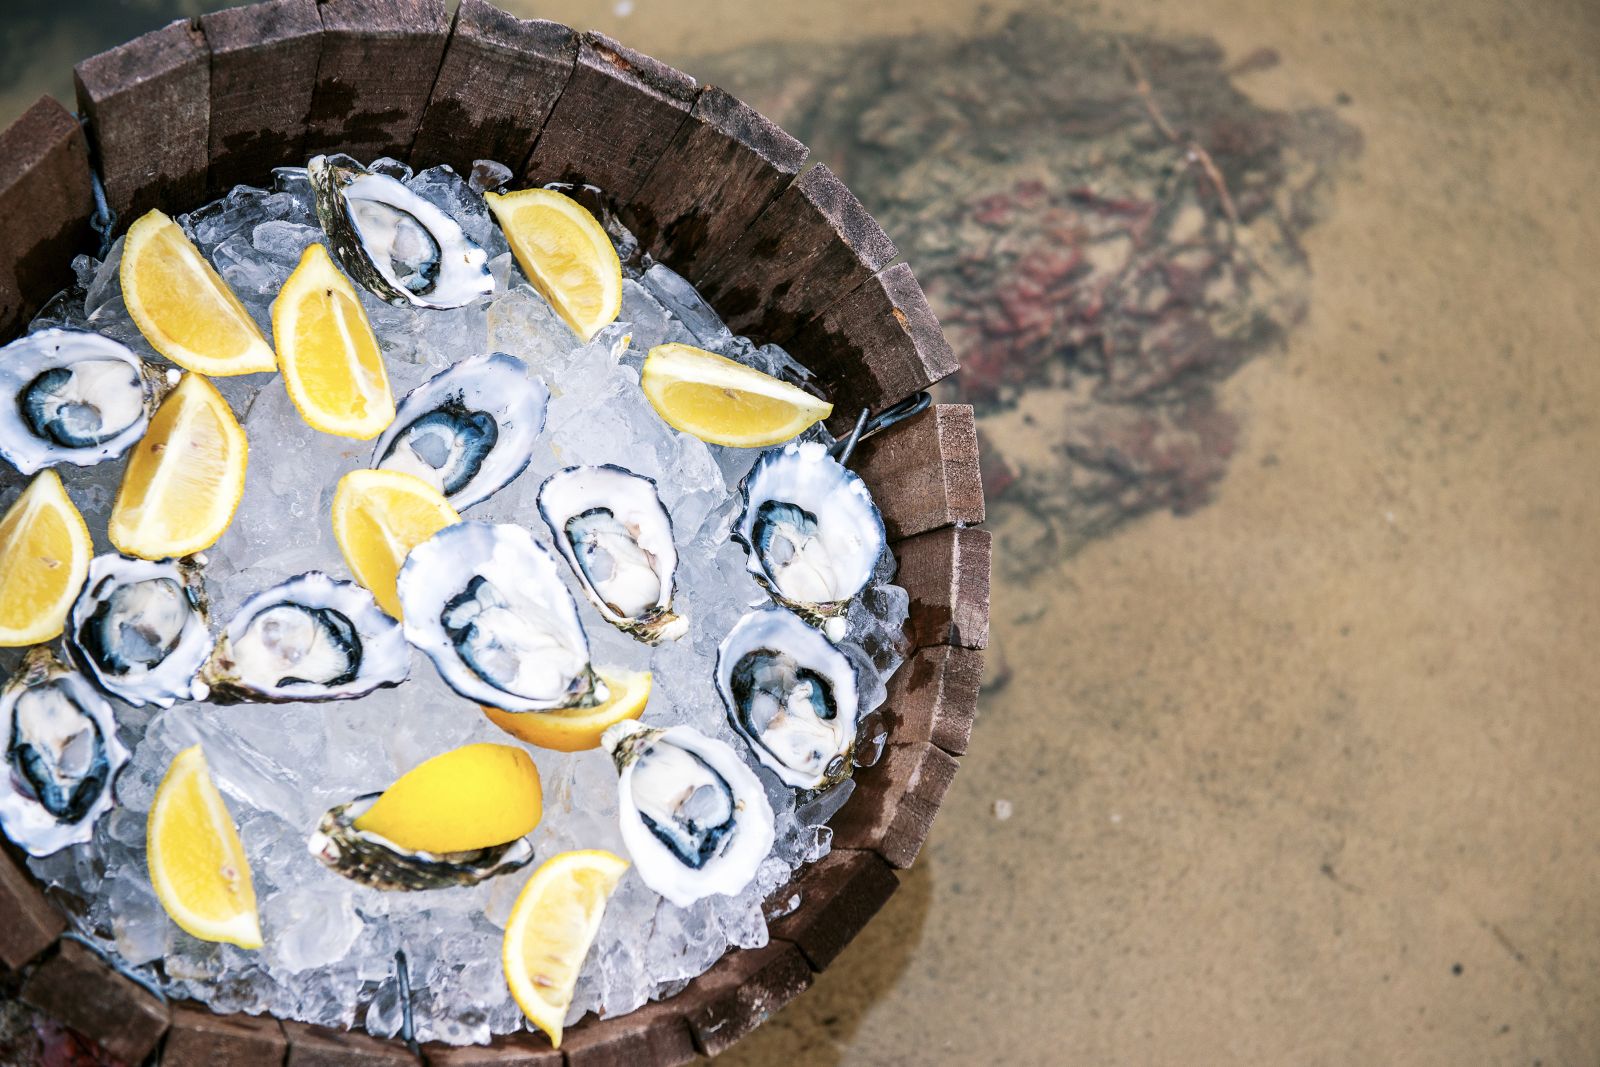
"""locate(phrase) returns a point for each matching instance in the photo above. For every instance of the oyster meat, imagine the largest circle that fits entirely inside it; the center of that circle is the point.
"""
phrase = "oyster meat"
(811, 531)
(72, 397)
(486, 603)
(609, 524)
(62, 755)
(373, 860)
(401, 247)
(791, 695)
(310, 638)
(694, 818)
(469, 430)
(138, 629)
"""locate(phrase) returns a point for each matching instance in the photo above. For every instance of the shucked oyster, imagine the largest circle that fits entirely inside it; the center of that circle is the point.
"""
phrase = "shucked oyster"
(468, 430)
(310, 638)
(812, 532)
(487, 604)
(62, 755)
(398, 245)
(609, 524)
(67, 396)
(694, 818)
(373, 860)
(139, 629)
(791, 695)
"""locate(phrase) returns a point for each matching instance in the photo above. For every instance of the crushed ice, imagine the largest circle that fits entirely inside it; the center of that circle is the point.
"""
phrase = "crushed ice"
(330, 943)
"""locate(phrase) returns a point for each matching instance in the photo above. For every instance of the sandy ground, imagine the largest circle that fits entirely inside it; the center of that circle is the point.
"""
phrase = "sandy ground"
(1309, 776)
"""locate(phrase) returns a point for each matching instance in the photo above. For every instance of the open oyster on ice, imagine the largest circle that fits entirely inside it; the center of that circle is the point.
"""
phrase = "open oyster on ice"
(609, 524)
(62, 755)
(373, 860)
(486, 602)
(68, 396)
(468, 430)
(812, 532)
(694, 818)
(139, 629)
(310, 638)
(791, 695)
(401, 247)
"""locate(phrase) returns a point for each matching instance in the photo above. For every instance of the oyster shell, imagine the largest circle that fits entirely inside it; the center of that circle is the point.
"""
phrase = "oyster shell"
(138, 629)
(811, 530)
(62, 755)
(401, 247)
(67, 396)
(791, 695)
(469, 430)
(310, 638)
(610, 526)
(365, 857)
(487, 604)
(694, 818)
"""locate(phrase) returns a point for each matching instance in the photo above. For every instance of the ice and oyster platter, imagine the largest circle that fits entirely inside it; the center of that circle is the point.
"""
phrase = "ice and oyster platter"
(410, 587)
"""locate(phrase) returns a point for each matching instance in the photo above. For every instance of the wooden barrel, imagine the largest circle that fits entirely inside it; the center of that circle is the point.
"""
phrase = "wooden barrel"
(714, 190)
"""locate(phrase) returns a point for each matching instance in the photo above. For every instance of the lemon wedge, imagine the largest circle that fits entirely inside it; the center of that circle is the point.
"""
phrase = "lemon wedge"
(578, 729)
(183, 307)
(551, 928)
(44, 558)
(184, 478)
(726, 403)
(331, 362)
(565, 253)
(378, 518)
(472, 797)
(197, 863)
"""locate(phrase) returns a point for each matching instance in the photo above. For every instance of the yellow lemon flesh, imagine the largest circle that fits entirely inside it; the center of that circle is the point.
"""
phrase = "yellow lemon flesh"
(331, 362)
(565, 253)
(723, 402)
(183, 307)
(44, 558)
(551, 928)
(184, 478)
(578, 729)
(378, 518)
(472, 797)
(197, 863)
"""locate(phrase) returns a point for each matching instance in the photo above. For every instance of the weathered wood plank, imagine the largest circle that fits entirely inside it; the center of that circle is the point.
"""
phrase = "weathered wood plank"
(379, 61)
(947, 574)
(148, 103)
(814, 244)
(896, 799)
(80, 990)
(617, 115)
(878, 345)
(741, 991)
(511, 1050)
(199, 1037)
(839, 895)
(924, 473)
(933, 697)
(500, 77)
(655, 1035)
(723, 168)
(28, 924)
(317, 1046)
(46, 201)
(264, 61)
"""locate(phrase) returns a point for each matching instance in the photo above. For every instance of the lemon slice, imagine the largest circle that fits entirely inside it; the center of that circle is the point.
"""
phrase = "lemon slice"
(44, 558)
(551, 928)
(476, 796)
(378, 518)
(565, 253)
(331, 362)
(183, 307)
(197, 863)
(723, 402)
(184, 479)
(577, 729)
